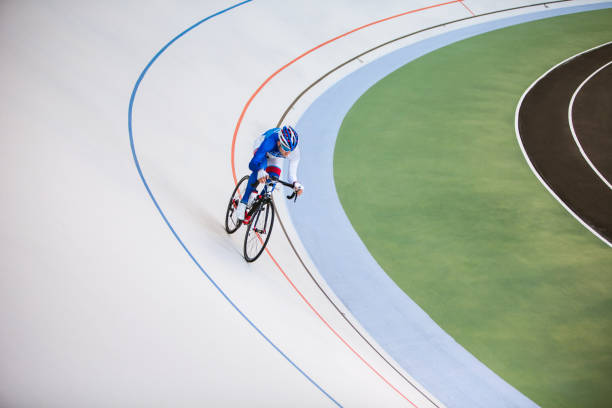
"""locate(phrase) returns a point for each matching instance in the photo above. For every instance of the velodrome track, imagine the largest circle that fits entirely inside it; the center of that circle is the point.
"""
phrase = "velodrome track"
(101, 304)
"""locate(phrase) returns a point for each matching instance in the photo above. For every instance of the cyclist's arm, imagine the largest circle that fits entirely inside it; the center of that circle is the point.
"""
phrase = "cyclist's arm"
(259, 160)
(294, 161)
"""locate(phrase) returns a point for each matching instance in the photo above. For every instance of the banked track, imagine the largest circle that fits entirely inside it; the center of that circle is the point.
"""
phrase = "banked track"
(312, 85)
(182, 244)
(282, 118)
(163, 215)
(337, 68)
(280, 121)
(319, 80)
(101, 306)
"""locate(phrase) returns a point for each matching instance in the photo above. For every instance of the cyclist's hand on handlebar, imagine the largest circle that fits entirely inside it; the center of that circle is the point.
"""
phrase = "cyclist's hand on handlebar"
(298, 188)
(262, 176)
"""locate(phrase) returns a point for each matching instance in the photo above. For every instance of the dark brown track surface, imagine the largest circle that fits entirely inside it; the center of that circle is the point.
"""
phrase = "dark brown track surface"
(592, 117)
(545, 134)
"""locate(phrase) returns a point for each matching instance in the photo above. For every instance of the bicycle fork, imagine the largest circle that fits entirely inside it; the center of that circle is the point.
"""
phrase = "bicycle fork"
(257, 211)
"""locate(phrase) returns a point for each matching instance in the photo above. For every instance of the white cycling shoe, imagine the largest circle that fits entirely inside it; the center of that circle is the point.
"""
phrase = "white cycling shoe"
(240, 211)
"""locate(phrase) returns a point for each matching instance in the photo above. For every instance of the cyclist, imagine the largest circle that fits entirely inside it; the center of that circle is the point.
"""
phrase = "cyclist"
(270, 148)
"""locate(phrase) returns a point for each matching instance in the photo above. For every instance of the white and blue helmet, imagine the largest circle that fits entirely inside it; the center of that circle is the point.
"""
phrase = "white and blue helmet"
(288, 138)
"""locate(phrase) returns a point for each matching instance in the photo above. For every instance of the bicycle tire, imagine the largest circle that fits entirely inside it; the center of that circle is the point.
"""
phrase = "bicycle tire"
(231, 223)
(261, 223)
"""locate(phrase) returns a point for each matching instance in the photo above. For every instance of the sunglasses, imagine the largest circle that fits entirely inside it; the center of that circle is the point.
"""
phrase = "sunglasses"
(284, 149)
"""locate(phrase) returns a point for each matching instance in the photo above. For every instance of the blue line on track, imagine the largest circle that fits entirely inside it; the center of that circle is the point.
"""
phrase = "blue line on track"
(140, 78)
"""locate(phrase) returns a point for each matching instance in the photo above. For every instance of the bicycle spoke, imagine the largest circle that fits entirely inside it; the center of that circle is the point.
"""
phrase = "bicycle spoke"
(258, 231)
(231, 216)
(252, 244)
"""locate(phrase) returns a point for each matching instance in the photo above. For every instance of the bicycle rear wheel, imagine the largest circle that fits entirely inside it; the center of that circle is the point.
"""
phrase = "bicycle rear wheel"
(231, 218)
(258, 231)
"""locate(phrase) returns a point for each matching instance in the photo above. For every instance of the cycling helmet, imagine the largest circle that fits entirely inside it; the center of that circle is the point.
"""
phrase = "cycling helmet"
(288, 138)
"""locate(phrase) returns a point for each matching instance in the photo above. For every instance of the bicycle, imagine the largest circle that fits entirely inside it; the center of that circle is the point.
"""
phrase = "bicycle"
(261, 213)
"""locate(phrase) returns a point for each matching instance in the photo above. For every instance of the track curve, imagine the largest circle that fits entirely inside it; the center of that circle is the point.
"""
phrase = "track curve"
(412, 384)
(336, 264)
(169, 224)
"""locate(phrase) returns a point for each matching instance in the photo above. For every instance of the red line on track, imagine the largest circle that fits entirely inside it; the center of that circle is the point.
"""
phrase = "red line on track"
(238, 124)
(306, 53)
(468, 9)
(335, 332)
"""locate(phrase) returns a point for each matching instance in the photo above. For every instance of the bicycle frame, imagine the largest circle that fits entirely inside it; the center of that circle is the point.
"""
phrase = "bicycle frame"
(266, 193)
(262, 197)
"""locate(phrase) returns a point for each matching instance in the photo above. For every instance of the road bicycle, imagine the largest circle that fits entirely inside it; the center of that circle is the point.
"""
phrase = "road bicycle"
(260, 216)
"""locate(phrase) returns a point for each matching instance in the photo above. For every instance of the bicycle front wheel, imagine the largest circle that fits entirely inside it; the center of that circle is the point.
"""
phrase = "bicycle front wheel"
(259, 231)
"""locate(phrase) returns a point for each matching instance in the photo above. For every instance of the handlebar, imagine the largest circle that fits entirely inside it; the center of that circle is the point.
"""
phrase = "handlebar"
(272, 179)
(277, 180)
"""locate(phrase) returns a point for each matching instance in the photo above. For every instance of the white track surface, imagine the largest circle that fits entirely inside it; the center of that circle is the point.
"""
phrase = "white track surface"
(100, 305)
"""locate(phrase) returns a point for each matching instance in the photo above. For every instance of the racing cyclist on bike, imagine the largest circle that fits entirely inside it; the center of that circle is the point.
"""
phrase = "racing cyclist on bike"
(270, 148)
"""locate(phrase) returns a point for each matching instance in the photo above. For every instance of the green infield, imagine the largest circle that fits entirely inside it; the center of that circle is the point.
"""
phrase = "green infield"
(429, 171)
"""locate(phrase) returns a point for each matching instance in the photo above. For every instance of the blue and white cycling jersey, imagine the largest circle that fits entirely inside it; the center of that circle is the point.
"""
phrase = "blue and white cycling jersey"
(267, 157)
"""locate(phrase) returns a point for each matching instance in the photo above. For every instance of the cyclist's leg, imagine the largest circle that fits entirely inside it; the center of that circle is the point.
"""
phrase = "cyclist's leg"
(273, 167)
(249, 189)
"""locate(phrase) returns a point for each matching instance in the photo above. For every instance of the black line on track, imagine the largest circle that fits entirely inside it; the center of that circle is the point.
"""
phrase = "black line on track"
(280, 121)
(401, 38)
